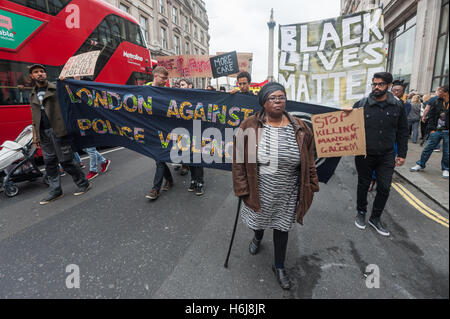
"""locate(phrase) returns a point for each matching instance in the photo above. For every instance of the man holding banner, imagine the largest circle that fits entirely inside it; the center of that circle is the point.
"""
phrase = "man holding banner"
(385, 124)
(243, 81)
(161, 75)
(50, 134)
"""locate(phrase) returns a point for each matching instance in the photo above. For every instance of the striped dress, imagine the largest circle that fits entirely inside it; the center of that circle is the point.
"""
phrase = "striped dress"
(278, 180)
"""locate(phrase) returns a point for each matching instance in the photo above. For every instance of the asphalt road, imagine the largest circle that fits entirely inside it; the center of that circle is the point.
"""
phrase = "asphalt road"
(128, 247)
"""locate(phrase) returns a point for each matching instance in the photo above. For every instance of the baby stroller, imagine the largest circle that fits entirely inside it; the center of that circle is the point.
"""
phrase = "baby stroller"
(17, 162)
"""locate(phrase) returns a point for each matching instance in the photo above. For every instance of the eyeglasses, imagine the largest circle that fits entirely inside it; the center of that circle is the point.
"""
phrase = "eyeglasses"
(164, 78)
(277, 98)
(381, 84)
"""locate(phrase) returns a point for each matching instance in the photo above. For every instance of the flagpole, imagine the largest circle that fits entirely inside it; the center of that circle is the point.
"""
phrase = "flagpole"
(234, 232)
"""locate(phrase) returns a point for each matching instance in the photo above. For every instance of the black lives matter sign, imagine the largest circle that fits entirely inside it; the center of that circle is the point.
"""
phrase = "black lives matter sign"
(224, 64)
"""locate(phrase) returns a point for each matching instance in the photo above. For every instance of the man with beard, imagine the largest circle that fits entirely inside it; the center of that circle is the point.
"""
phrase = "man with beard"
(385, 123)
(50, 134)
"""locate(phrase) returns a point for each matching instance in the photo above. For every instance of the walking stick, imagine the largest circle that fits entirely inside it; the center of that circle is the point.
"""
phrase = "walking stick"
(234, 231)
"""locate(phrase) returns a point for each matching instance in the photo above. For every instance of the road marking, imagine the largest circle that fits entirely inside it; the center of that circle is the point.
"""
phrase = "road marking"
(421, 204)
(421, 207)
(103, 153)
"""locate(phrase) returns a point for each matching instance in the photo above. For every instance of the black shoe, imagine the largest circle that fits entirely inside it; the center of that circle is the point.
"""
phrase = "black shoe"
(82, 190)
(360, 220)
(254, 246)
(192, 187)
(379, 227)
(51, 198)
(199, 190)
(282, 278)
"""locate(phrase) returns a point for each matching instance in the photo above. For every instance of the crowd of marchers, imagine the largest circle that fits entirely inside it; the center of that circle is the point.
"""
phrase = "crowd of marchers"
(273, 199)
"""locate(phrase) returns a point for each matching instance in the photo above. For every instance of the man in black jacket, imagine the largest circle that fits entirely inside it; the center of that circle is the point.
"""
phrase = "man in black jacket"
(385, 124)
(438, 127)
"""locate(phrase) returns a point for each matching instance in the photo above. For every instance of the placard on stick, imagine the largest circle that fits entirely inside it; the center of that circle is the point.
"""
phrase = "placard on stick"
(224, 64)
(340, 133)
(81, 65)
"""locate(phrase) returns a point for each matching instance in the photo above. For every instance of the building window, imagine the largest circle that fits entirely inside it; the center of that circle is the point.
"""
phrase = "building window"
(144, 25)
(124, 8)
(187, 48)
(195, 32)
(161, 7)
(401, 49)
(202, 37)
(175, 15)
(176, 44)
(163, 38)
(440, 74)
(186, 23)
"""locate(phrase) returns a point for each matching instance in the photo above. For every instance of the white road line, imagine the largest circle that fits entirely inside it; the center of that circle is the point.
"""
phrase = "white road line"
(103, 153)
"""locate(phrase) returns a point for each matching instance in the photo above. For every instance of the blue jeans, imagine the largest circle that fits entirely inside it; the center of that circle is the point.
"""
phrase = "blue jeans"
(94, 158)
(77, 157)
(433, 141)
(162, 171)
(415, 130)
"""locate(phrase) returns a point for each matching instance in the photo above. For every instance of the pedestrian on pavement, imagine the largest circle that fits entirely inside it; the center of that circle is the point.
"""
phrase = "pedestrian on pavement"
(50, 134)
(161, 75)
(430, 102)
(274, 197)
(398, 89)
(438, 128)
(96, 158)
(385, 124)
(197, 184)
(414, 117)
(423, 122)
(243, 80)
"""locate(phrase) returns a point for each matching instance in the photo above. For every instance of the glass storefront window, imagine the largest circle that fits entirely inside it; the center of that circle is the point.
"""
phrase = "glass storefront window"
(401, 50)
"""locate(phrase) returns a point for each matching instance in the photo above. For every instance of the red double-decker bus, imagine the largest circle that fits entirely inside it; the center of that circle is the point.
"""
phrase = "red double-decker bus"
(49, 32)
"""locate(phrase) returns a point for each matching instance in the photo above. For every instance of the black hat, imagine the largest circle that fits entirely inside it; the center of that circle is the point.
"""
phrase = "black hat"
(33, 66)
(268, 89)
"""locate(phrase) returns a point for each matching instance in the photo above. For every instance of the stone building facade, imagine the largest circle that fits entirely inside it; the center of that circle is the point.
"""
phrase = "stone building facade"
(416, 37)
(171, 27)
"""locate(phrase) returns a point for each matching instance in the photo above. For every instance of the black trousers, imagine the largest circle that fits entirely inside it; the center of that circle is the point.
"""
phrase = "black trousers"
(162, 171)
(59, 149)
(383, 165)
(197, 174)
(280, 240)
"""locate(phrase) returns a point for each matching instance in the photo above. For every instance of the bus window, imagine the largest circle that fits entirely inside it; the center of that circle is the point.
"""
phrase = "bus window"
(138, 78)
(107, 37)
(135, 35)
(15, 82)
(52, 7)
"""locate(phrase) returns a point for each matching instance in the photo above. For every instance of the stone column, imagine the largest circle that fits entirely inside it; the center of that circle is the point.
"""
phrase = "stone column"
(271, 24)
(427, 30)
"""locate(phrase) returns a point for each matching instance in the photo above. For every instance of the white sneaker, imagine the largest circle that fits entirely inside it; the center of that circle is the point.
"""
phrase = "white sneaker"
(416, 168)
(445, 174)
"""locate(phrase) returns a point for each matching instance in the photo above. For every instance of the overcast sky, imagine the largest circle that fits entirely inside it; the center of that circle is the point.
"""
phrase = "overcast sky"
(241, 25)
